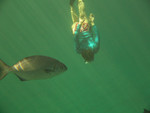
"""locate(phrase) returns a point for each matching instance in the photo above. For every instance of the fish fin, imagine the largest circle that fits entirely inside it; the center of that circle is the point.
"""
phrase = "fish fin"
(4, 69)
(22, 79)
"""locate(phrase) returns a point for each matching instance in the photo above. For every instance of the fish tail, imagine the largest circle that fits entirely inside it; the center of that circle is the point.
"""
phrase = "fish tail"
(4, 69)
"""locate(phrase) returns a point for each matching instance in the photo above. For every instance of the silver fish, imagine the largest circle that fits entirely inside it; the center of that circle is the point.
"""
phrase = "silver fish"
(33, 68)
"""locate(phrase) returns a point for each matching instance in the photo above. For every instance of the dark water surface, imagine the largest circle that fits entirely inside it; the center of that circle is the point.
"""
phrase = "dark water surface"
(118, 81)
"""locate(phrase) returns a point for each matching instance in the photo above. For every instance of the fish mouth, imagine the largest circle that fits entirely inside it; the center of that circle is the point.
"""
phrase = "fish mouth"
(65, 67)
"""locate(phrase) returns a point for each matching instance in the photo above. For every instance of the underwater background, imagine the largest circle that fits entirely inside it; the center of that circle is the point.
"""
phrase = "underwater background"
(118, 81)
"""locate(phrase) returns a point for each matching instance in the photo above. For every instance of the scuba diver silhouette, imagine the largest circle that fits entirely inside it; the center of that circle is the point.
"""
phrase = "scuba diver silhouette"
(86, 37)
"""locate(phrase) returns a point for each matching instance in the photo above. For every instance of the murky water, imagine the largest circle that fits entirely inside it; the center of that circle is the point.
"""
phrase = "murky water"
(116, 82)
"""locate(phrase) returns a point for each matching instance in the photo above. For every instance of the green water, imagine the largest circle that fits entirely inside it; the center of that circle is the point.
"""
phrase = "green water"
(116, 82)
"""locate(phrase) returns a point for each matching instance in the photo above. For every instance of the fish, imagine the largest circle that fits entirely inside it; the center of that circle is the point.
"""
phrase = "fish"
(146, 111)
(33, 68)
